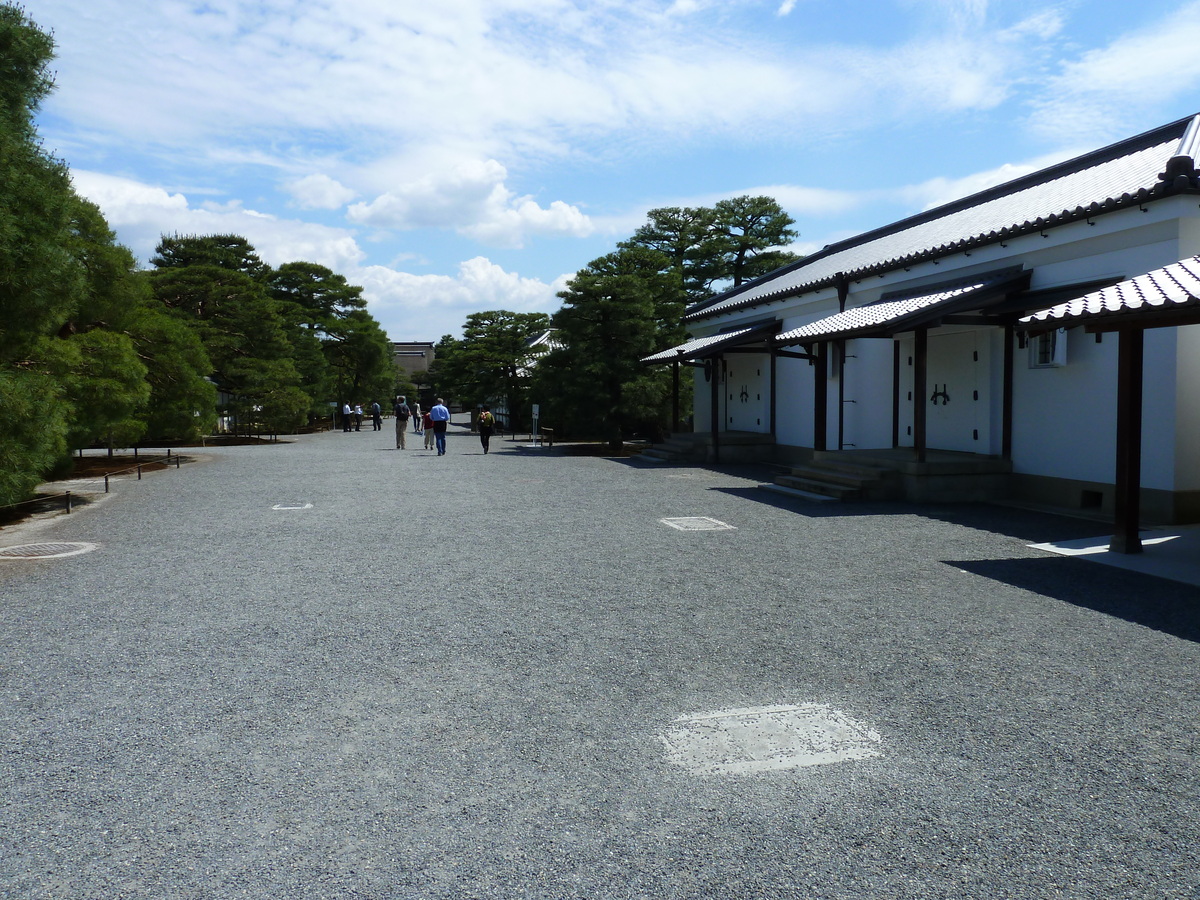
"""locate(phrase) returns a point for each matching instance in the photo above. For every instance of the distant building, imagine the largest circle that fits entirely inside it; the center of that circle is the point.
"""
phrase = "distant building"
(412, 356)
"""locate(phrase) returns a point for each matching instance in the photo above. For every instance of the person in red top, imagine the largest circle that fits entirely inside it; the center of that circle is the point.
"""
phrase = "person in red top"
(427, 427)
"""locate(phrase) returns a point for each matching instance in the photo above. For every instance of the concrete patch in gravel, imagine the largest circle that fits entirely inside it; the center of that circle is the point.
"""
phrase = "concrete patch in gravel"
(767, 738)
(52, 550)
(697, 523)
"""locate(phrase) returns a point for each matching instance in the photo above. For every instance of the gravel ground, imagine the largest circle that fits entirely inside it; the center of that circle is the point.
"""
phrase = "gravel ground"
(447, 678)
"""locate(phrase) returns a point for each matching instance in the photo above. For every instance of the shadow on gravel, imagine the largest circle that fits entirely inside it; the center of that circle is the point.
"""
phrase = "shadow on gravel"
(1166, 606)
(1025, 525)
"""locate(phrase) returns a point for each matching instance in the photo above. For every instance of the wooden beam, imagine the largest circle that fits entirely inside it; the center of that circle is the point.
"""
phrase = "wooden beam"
(1130, 355)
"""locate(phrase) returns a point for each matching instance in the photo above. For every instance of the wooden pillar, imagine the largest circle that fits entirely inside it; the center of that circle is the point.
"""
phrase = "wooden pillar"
(714, 384)
(920, 365)
(895, 393)
(675, 397)
(771, 412)
(1130, 353)
(821, 398)
(1006, 414)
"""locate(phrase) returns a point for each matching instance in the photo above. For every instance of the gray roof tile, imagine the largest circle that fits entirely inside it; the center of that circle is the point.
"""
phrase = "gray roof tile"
(1164, 290)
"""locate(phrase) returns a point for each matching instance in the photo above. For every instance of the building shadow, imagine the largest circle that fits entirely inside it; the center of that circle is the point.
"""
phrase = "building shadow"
(1157, 603)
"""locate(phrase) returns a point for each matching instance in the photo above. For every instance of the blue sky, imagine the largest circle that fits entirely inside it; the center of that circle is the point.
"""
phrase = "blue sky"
(453, 156)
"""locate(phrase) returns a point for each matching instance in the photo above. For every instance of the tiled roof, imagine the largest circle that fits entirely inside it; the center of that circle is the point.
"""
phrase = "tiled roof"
(1169, 289)
(864, 317)
(693, 348)
(889, 317)
(1122, 175)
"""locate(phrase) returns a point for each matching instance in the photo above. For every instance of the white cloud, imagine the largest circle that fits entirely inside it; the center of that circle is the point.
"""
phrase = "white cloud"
(500, 78)
(407, 305)
(1098, 95)
(415, 307)
(471, 198)
(143, 214)
(938, 191)
(319, 191)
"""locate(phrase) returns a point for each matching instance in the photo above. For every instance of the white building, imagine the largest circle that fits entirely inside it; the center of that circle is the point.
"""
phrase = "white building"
(897, 364)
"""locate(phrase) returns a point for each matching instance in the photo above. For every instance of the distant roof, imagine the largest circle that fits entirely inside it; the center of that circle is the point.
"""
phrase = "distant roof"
(1136, 170)
(544, 341)
(1166, 296)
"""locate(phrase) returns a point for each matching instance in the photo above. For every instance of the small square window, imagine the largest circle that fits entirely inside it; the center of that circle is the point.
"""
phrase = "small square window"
(1048, 349)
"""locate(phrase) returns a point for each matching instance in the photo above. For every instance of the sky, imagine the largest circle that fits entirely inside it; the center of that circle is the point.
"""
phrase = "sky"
(456, 156)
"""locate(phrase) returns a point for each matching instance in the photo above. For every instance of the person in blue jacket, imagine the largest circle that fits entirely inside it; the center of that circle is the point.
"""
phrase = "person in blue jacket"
(441, 418)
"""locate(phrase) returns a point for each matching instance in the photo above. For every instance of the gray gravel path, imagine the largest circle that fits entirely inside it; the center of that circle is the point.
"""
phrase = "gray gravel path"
(447, 678)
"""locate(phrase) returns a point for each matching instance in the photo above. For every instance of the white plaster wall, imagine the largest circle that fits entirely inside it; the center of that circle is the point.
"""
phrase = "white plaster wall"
(1064, 419)
(1187, 409)
(795, 380)
(995, 341)
(868, 414)
(1158, 409)
(701, 403)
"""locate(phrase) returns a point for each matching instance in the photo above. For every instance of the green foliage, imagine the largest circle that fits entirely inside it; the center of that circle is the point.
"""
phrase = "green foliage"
(593, 381)
(33, 431)
(745, 231)
(224, 251)
(491, 362)
(626, 305)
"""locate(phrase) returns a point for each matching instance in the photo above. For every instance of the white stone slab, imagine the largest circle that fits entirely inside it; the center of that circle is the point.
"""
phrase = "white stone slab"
(769, 738)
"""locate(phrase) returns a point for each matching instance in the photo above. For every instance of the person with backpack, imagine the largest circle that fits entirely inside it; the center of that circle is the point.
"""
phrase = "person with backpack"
(376, 416)
(487, 424)
(401, 411)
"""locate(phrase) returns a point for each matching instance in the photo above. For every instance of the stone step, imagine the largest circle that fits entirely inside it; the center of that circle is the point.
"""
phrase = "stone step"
(857, 477)
(817, 486)
(796, 492)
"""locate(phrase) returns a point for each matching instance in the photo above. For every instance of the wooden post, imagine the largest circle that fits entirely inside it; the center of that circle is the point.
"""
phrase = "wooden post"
(1130, 354)
(715, 387)
(821, 399)
(1006, 415)
(675, 397)
(920, 363)
(895, 393)
(771, 413)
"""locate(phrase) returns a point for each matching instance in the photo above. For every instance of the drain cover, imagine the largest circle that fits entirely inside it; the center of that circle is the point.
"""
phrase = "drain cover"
(45, 551)
(768, 738)
(698, 523)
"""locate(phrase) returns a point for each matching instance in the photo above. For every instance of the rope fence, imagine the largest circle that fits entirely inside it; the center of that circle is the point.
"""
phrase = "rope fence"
(66, 495)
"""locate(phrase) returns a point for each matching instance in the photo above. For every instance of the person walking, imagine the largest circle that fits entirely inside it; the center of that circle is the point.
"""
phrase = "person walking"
(418, 420)
(427, 430)
(376, 417)
(487, 424)
(440, 416)
(401, 411)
